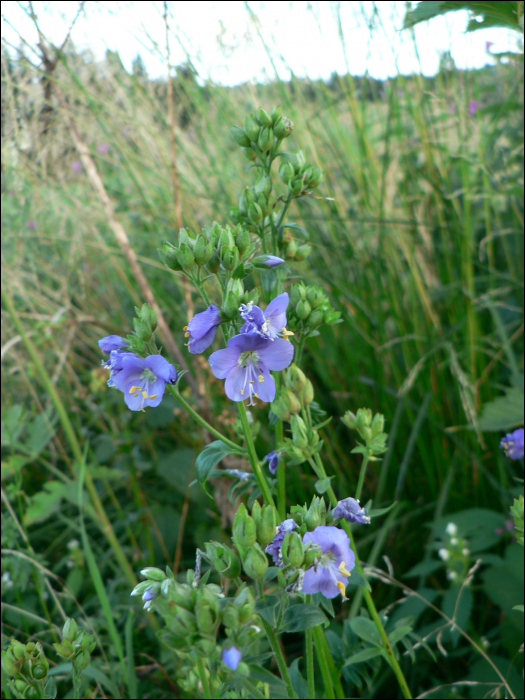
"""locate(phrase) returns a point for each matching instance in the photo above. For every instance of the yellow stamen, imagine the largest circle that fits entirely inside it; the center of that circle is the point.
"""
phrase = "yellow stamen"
(342, 589)
(185, 328)
(286, 333)
(242, 392)
(343, 570)
(251, 381)
(144, 394)
(135, 395)
(260, 378)
(186, 335)
(255, 395)
(134, 388)
(153, 396)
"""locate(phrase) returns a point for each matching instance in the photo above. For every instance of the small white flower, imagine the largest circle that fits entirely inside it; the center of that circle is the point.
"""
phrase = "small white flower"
(451, 575)
(73, 544)
(484, 642)
(453, 541)
(444, 554)
(465, 551)
(451, 529)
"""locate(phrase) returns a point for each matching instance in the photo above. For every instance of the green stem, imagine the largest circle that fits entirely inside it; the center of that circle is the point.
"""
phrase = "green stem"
(274, 643)
(252, 455)
(323, 664)
(361, 479)
(204, 678)
(186, 406)
(309, 653)
(338, 687)
(368, 598)
(279, 436)
(104, 521)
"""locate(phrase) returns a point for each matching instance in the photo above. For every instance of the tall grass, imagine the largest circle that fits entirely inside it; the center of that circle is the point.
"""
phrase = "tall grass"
(418, 243)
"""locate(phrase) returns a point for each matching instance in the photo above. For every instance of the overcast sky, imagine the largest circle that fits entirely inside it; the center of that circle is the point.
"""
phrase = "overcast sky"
(230, 45)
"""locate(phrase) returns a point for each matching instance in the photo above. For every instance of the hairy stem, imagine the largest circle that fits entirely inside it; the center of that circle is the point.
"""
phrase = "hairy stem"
(274, 643)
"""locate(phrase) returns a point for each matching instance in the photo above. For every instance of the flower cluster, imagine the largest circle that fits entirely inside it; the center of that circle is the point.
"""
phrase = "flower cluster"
(141, 380)
(513, 444)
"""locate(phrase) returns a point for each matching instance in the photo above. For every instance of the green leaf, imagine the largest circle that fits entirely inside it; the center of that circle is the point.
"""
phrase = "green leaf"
(299, 684)
(356, 579)
(504, 412)
(518, 607)
(495, 14)
(323, 484)
(301, 617)
(366, 629)
(46, 502)
(209, 458)
(399, 633)
(364, 655)
(265, 607)
(375, 513)
(303, 233)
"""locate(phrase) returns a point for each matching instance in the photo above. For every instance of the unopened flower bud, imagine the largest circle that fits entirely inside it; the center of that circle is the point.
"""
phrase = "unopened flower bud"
(204, 647)
(244, 601)
(275, 113)
(297, 292)
(264, 185)
(81, 661)
(307, 394)
(248, 153)
(311, 553)
(230, 307)
(315, 318)
(280, 410)
(292, 549)
(227, 562)
(290, 401)
(303, 309)
(153, 574)
(303, 252)
(185, 257)
(207, 612)
(263, 117)
(290, 250)
(168, 255)
(70, 629)
(240, 137)
(316, 178)
(230, 256)
(230, 616)
(330, 317)
(242, 241)
(300, 437)
(254, 213)
(255, 562)
(296, 186)
(316, 514)
(283, 128)
(378, 424)
(244, 533)
(251, 127)
(286, 172)
(265, 140)
(202, 251)
(266, 525)
(40, 669)
(295, 378)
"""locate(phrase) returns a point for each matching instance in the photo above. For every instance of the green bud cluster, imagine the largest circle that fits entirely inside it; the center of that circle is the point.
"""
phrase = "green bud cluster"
(251, 533)
(75, 646)
(369, 428)
(296, 393)
(299, 176)
(261, 132)
(310, 308)
(26, 667)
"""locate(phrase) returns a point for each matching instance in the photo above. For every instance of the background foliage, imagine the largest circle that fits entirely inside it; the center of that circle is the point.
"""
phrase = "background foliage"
(419, 246)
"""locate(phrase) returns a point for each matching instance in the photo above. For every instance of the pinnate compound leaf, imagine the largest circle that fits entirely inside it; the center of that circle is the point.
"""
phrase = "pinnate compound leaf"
(366, 629)
(301, 617)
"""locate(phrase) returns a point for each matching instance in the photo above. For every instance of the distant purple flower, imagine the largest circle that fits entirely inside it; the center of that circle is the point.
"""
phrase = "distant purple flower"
(330, 575)
(246, 365)
(238, 473)
(31, 224)
(472, 108)
(268, 324)
(200, 331)
(508, 526)
(272, 261)
(76, 166)
(274, 548)
(231, 657)
(111, 342)
(350, 510)
(273, 459)
(103, 148)
(143, 381)
(513, 444)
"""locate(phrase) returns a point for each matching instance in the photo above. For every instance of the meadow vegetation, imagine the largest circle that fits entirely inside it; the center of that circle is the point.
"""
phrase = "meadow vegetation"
(416, 236)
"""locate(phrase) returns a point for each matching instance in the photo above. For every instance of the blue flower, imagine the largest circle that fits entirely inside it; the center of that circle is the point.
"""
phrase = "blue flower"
(350, 510)
(246, 365)
(513, 444)
(272, 261)
(231, 657)
(273, 459)
(200, 331)
(274, 548)
(111, 342)
(330, 574)
(268, 324)
(142, 381)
